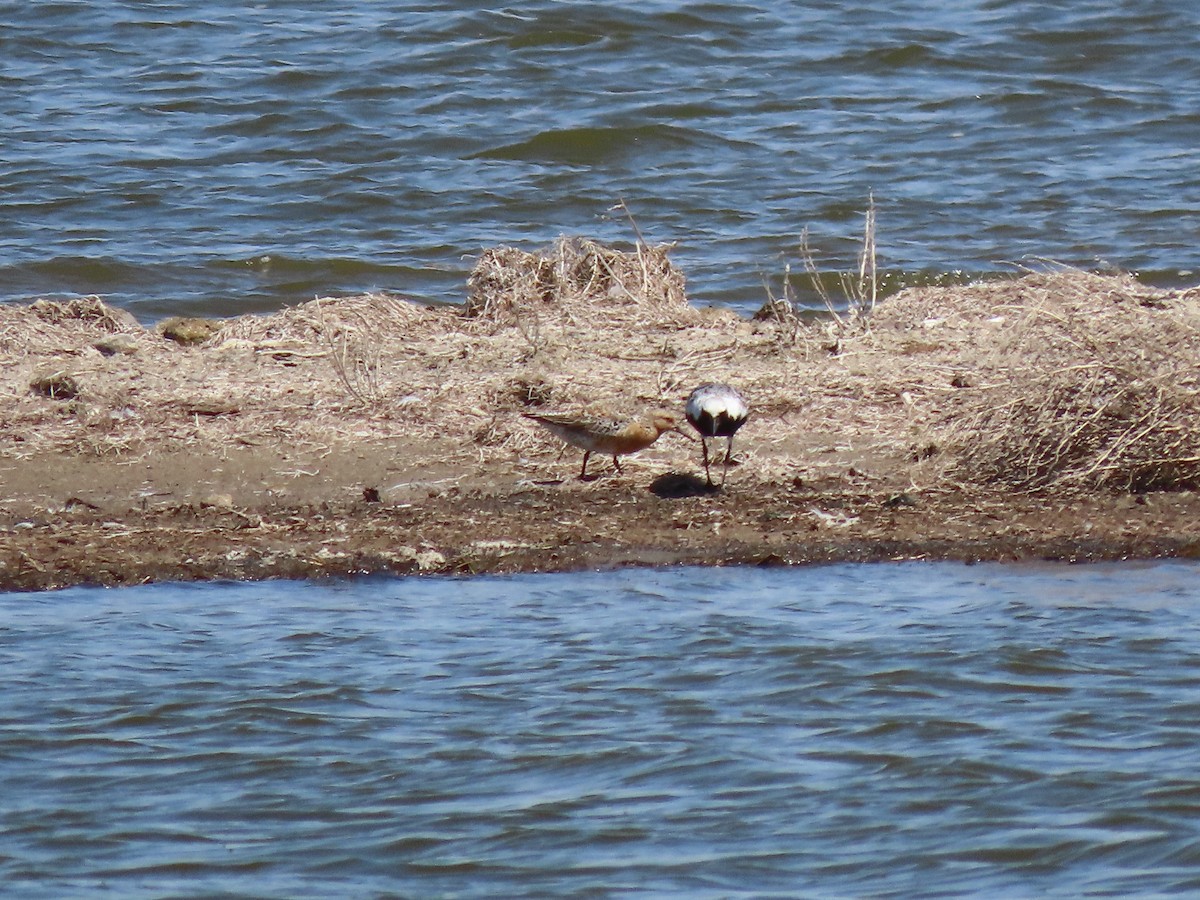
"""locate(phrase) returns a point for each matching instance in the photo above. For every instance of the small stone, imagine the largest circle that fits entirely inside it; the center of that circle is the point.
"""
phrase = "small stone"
(188, 331)
(208, 407)
(113, 344)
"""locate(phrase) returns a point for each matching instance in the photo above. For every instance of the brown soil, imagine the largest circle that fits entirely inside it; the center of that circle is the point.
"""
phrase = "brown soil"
(1048, 416)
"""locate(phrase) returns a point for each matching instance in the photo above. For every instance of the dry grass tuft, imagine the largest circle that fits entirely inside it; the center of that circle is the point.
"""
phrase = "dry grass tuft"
(382, 315)
(1092, 384)
(91, 311)
(577, 277)
(1089, 428)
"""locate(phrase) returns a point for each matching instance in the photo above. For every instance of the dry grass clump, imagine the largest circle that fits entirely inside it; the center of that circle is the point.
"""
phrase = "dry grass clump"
(91, 311)
(1092, 429)
(48, 326)
(576, 277)
(350, 332)
(382, 315)
(1090, 382)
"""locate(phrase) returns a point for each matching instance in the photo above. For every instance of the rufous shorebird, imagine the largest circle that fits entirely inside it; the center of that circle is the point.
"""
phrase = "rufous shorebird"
(716, 410)
(597, 433)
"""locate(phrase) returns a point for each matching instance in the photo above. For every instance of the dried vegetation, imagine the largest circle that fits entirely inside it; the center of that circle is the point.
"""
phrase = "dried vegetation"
(1054, 379)
(1089, 381)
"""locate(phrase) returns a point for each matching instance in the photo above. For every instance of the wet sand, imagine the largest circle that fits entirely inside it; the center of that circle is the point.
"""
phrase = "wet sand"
(520, 526)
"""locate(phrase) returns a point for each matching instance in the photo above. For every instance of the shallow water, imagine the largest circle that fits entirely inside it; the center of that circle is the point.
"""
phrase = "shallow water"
(213, 157)
(886, 730)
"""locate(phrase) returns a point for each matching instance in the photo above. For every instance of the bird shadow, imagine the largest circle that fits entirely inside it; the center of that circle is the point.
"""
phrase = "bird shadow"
(674, 485)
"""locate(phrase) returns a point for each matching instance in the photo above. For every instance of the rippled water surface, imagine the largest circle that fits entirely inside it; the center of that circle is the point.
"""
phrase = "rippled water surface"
(909, 730)
(219, 157)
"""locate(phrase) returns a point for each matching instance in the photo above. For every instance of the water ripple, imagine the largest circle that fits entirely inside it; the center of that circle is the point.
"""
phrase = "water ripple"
(834, 731)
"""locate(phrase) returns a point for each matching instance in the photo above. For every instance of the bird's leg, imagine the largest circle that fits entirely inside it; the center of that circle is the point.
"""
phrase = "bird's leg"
(583, 474)
(704, 449)
(617, 463)
(728, 453)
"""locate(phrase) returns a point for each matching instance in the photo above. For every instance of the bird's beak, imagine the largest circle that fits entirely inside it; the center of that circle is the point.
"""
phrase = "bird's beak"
(679, 430)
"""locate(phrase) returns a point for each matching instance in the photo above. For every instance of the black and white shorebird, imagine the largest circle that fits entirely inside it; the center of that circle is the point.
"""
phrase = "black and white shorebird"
(716, 410)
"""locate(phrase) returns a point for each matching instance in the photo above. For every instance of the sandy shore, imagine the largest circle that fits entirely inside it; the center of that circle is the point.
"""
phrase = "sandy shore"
(1048, 417)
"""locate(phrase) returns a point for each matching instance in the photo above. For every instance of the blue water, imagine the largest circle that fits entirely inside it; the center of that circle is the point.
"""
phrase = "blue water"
(888, 730)
(213, 157)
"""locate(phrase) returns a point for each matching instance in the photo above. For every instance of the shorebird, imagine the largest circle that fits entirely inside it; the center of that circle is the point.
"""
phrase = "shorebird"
(607, 435)
(716, 410)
